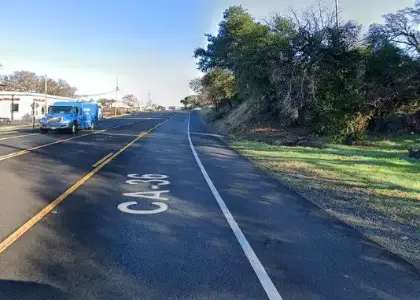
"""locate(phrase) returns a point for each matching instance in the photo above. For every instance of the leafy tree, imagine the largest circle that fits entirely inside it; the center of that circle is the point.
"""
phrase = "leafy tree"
(184, 102)
(219, 85)
(195, 85)
(191, 101)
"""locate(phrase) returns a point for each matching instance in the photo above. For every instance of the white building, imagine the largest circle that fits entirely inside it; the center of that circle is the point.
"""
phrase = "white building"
(18, 105)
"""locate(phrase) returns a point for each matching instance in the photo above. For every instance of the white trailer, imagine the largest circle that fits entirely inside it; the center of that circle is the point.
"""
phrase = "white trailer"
(16, 106)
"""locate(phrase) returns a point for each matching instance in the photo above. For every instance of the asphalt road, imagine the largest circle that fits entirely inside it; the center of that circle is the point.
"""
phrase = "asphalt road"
(155, 206)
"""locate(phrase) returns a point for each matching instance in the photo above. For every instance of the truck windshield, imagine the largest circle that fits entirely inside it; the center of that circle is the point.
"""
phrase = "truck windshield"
(62, 109)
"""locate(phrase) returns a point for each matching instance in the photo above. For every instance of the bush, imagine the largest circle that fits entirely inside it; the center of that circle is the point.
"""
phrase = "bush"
(27, 118)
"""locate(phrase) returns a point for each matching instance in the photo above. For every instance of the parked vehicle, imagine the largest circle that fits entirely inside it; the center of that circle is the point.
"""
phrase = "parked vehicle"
(70, 116)
(4, 121)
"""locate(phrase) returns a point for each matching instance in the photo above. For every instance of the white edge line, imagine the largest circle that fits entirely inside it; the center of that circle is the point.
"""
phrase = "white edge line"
(259, 270)
(15, 137)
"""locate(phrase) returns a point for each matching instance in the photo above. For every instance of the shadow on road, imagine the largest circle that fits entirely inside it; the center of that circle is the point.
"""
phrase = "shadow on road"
(11, 289)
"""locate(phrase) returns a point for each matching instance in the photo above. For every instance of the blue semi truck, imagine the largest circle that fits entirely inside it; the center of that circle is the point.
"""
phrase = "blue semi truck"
(71, 116)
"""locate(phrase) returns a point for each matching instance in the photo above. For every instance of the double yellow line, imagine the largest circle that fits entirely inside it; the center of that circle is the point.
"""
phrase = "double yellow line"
(100, 164)
(22, 152)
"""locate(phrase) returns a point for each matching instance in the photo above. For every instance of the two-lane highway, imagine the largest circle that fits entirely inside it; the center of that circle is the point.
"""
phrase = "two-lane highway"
(14, 143)
(53, 162)
(153, 206)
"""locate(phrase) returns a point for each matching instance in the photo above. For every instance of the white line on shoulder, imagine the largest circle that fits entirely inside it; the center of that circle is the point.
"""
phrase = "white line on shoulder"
(259, 270)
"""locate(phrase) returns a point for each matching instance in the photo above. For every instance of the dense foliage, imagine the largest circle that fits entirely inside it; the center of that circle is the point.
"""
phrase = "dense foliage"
(307, 70)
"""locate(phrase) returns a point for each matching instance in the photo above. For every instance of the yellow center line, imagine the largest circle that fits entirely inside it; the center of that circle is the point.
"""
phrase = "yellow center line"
(101, 160)
(118, 134)
(22, 152)
(46, 210)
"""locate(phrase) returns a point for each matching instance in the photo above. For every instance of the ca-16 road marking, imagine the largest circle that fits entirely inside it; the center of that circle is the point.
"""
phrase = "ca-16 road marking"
(50, 207)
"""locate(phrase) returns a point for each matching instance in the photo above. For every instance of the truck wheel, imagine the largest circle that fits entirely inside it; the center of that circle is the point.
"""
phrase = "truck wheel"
(73, 128)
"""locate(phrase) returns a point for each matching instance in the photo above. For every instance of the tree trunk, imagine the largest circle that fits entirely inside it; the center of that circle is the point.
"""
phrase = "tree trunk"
(230, 103)
(301, 115)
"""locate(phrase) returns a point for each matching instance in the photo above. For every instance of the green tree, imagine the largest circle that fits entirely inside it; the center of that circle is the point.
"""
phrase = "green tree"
(306, 70)
(184, 102)
(191, 101)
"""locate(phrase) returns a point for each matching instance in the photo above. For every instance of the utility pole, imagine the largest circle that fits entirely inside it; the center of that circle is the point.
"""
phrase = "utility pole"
(33, 114)
(45, 94)
(116, 98)
(11, 107)
(336, 13)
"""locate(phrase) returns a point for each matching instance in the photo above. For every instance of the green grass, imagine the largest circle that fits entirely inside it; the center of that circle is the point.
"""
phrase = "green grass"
(376, 175)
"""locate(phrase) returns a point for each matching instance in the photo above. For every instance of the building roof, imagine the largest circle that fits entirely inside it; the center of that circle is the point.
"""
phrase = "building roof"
(9, 93)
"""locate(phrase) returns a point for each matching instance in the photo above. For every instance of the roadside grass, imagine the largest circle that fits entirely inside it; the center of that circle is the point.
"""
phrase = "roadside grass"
(374, 186)
(377, 174)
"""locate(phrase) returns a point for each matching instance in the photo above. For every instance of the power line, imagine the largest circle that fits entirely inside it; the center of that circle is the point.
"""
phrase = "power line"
(95, 95)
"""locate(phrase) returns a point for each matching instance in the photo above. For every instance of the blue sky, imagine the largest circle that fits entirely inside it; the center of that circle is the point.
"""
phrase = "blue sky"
(148, 45)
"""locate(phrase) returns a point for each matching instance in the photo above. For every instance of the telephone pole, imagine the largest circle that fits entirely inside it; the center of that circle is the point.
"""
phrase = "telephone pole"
(149, 100)
(336, 13)
(116, 98)
(45, 94)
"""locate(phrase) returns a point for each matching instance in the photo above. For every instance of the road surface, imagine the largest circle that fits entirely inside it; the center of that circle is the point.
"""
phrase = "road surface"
(155, 206)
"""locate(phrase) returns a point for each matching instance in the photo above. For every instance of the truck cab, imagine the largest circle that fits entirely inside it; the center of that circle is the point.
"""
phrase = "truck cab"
(70, 116)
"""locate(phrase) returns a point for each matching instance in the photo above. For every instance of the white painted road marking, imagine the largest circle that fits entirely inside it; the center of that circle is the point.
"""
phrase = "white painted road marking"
(147, 195)
(15, 137)
(259, 270)
(124, 207)
(154, 195)
(161, 182)
(147, 176)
